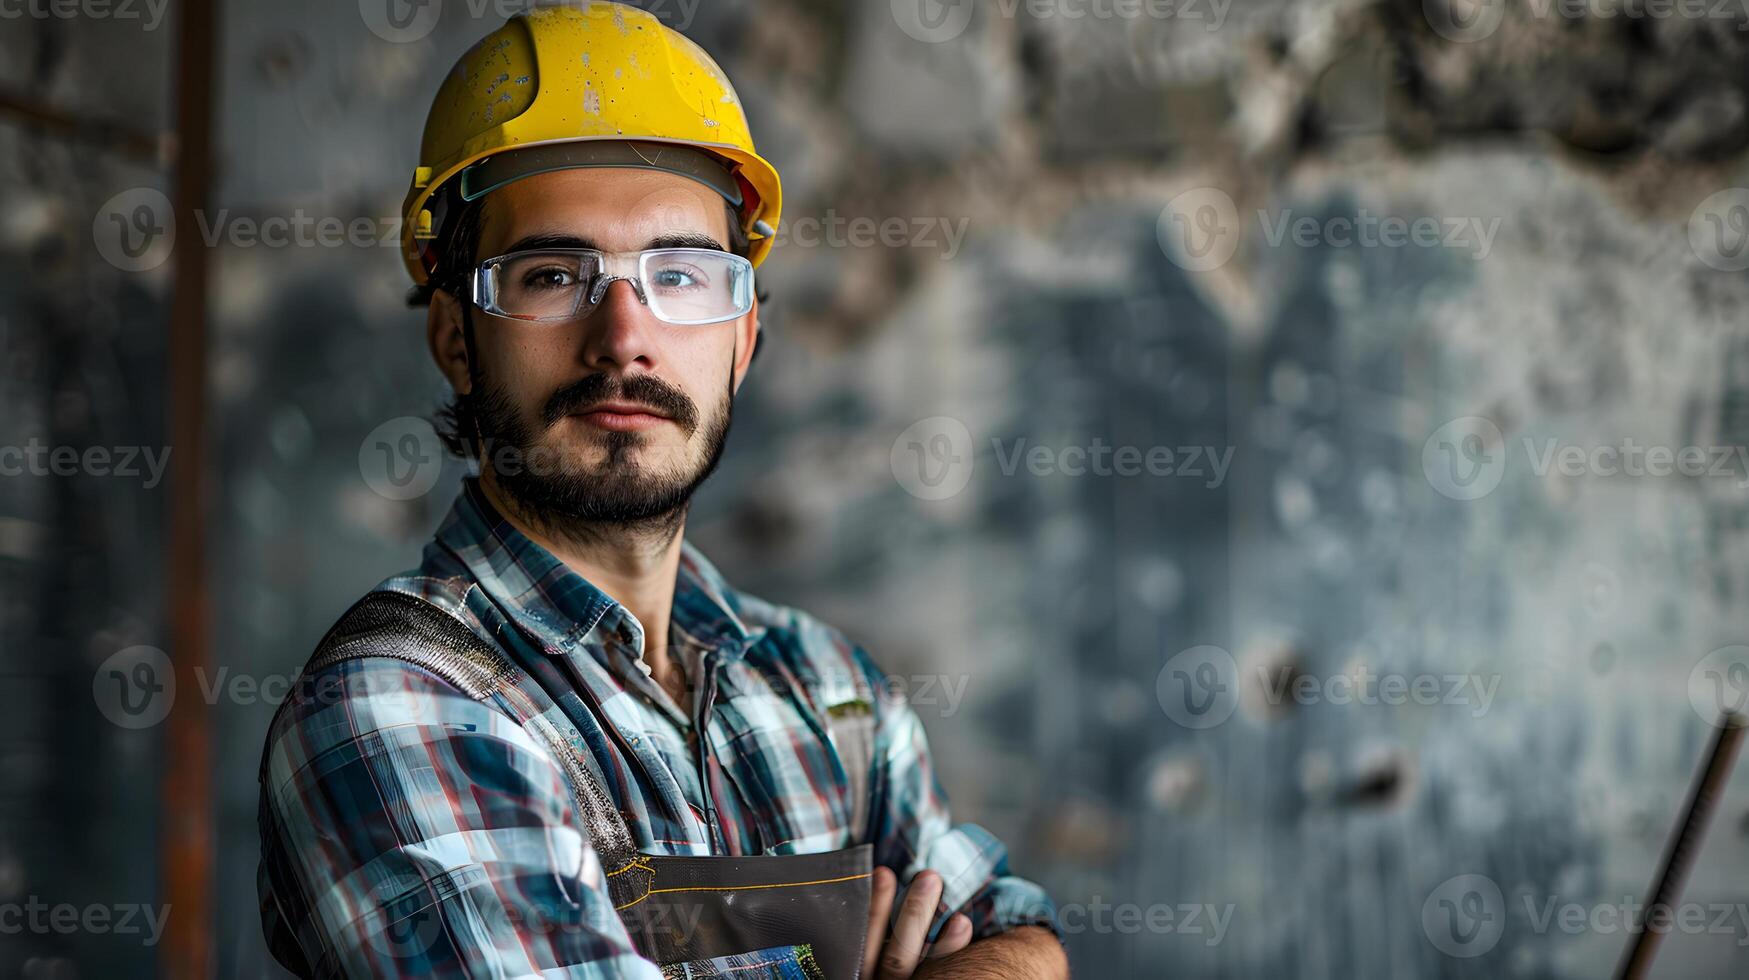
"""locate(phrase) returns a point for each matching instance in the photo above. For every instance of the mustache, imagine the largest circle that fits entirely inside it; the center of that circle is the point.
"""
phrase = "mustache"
(641, 389)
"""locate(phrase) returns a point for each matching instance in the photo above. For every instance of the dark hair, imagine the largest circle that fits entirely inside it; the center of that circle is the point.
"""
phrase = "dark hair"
(457, 254)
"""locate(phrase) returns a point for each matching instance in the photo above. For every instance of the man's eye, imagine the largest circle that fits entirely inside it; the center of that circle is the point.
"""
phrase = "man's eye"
(678, 278)
(549, 278)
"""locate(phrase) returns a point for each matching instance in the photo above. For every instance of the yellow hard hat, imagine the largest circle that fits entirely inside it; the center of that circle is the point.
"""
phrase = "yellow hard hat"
(592, 84)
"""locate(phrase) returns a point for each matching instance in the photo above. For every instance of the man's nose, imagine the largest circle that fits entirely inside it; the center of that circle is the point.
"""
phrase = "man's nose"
(620, 331)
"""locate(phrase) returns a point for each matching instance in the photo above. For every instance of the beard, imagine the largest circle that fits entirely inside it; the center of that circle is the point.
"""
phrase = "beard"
(607, 478)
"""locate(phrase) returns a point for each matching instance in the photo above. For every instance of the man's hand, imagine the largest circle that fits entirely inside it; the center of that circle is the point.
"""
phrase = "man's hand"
(896, 957)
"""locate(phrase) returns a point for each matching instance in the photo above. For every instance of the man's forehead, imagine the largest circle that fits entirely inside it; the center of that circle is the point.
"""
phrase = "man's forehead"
(615, 208)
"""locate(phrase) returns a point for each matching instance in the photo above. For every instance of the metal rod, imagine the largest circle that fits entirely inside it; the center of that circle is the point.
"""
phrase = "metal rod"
(1679, 853)
(186, 804)
(103, 134)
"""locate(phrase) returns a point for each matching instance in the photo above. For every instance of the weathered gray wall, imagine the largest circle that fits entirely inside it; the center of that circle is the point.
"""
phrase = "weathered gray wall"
(1091, 163)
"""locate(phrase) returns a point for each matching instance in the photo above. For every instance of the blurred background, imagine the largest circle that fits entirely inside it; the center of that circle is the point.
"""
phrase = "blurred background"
(1292, 452)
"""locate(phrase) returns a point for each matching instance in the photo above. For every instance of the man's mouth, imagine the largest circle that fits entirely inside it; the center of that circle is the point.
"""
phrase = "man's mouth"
(621, 416)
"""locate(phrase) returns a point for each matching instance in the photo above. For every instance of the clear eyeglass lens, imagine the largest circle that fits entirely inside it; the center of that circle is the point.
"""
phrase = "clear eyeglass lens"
(681, 285)
(542, 285)
(694, 285)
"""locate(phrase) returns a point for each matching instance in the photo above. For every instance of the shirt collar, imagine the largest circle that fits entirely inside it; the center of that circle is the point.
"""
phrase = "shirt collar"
(561, 608)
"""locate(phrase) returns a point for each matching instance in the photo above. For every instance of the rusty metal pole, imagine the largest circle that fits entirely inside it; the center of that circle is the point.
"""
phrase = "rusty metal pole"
(185, 808)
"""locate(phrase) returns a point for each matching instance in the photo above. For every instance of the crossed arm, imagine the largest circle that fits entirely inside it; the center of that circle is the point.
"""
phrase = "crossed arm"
(1025, 953)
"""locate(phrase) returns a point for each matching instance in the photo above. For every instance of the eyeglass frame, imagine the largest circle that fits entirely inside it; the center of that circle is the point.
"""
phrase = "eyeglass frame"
(597, 289)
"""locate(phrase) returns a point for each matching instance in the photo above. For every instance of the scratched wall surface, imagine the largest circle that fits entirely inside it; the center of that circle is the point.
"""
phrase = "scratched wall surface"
(1291, 453)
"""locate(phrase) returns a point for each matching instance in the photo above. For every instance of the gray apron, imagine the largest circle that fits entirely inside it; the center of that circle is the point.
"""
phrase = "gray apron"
(677, 909)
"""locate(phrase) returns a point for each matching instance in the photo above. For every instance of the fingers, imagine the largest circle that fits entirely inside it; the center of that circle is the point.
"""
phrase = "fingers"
(880, 907)
(904, 950)
(955, 936)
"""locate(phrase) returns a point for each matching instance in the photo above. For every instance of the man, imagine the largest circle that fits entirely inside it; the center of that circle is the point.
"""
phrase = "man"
(565, 745)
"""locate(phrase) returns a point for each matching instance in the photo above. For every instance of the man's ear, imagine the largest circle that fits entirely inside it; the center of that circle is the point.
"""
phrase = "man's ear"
(445, 334)
(746, 341)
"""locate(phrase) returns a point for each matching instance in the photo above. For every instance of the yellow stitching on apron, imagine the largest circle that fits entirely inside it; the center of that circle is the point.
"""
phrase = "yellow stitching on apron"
(636, 863)
(743, 888)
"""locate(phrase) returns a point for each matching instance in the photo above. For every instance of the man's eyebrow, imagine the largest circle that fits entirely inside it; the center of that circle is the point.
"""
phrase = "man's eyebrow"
(549, 240)
(686, 240)
(676, 240)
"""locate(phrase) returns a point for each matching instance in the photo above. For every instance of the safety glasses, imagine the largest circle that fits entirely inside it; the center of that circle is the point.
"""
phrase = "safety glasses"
(685, 286)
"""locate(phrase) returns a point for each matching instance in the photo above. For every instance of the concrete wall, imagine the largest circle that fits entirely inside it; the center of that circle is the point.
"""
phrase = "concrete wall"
(1389, 265)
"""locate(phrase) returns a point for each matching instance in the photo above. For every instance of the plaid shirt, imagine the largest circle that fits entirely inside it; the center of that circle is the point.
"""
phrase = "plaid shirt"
(389, 795)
